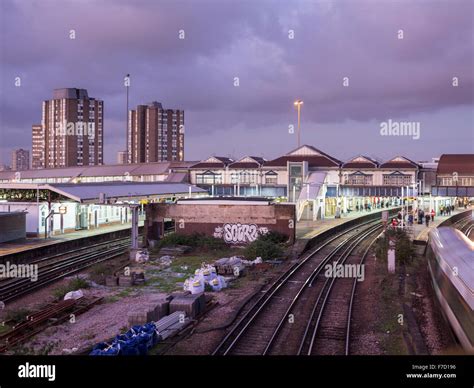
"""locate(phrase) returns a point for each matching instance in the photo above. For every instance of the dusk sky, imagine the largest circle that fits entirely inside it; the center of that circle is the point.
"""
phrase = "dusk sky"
(279, 50)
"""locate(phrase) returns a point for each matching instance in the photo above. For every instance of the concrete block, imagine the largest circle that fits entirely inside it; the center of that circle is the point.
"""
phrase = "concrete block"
(125, 281)
(146, 313)
(137, 318)
(192, 305)
(179, 294)
(201, 298)
(162, 309)
(111, 281)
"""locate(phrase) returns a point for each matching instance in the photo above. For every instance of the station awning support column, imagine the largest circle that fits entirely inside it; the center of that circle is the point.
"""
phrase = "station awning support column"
(134, 209)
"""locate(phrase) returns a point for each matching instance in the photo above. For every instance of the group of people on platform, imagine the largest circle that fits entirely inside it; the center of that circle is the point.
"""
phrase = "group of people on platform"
(378, 204)
(422, 216)
(446, 210)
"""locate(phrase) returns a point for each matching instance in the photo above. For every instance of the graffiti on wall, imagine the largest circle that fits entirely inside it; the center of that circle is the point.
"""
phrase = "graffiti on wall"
(239, 233)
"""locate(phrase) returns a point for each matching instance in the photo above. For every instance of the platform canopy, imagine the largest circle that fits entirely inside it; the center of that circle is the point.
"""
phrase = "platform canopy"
(96, 192)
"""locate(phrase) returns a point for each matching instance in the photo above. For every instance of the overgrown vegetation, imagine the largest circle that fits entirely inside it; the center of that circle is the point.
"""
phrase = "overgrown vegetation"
(17, 315)
(274, 237)
(99, 272)
(391, 331)
(404, 249)
(267, 246)
(195, 240)
(73, 285)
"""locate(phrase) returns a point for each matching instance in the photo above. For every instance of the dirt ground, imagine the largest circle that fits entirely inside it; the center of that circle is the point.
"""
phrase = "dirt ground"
(364, 333)
(109, 318)
(376, 328)
(100, 323)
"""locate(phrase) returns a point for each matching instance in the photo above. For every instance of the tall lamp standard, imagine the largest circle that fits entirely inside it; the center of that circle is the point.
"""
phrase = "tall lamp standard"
(298, 104)
(127, 85)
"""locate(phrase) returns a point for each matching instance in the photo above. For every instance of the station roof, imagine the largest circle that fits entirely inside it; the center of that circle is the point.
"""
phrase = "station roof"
(155, 168)
(305, 153)
(213, 162)
(361, 161)
(400, 162)
(463, 164)
(248, 162)
(91, 192)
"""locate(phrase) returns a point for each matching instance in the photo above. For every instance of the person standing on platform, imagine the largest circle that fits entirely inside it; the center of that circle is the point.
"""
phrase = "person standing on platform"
(427, 219)
(432, 214)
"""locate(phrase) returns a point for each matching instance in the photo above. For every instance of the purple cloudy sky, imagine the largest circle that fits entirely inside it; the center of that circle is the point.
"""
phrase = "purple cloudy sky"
(406, 79)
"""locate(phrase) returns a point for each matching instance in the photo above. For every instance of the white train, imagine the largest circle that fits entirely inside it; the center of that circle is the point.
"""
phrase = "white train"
(451, 263)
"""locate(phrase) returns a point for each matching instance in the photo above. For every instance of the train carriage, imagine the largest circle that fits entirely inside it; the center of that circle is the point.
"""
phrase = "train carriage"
(451, 264)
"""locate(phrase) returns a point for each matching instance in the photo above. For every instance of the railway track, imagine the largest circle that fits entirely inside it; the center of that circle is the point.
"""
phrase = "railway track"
(279, 318)
(467, 226)
(56, 267)
(35, 323)
(469, 230)
(328, 330)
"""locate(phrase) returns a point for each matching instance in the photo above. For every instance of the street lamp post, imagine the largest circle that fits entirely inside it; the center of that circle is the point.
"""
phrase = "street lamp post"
(298, 104)
(127, 85)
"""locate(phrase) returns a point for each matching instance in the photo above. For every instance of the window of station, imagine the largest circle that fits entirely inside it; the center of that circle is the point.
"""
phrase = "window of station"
(397, 179)
(295, 180)
(358, 178)
(271, 178)
(243, 177)
(208, 178)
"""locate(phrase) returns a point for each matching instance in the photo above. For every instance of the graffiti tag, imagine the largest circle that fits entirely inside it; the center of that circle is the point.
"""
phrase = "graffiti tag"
(239, 233)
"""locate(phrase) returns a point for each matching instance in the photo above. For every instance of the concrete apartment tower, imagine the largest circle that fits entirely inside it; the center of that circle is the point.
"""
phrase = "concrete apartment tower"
(71, 131)
(20, 159)
(155, 134)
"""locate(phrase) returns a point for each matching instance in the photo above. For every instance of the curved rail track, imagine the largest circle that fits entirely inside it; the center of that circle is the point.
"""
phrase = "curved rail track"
(283, 314)
(466, 226)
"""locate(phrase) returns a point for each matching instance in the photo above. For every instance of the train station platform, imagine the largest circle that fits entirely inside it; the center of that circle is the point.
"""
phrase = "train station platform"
(421, 232)
(13, 247)
(306, 230)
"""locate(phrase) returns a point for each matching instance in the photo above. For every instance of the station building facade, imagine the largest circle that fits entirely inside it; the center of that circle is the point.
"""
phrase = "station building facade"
(454, 180)
(319, 184)
(368, 184)
(54, 209)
